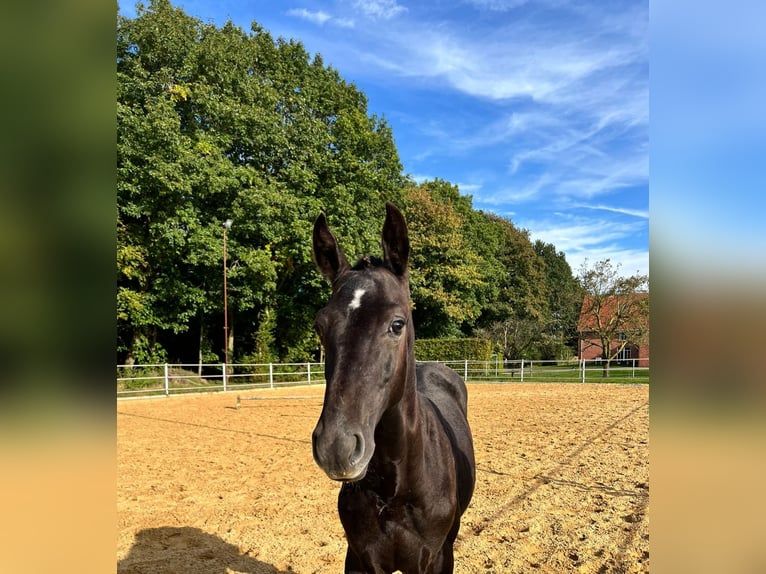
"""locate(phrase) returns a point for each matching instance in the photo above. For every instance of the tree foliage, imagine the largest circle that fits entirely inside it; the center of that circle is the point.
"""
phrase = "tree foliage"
(445, 273)
(564, 290)
(215, 123)
(469, 349)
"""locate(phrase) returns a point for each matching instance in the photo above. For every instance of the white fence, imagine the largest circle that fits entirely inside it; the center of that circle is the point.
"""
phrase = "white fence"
(167, 379)
(137, 380)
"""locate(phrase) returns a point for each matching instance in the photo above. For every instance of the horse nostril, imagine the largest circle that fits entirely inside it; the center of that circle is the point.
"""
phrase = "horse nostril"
(339, 454)
(358, 452)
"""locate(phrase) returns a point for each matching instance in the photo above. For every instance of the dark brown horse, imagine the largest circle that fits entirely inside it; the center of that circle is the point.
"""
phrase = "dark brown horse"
(393, 431)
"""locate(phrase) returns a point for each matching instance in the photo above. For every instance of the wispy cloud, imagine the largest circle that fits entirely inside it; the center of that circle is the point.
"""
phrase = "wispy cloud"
(498, 196)
(605, 177)
(468, 188)
(582, 233)
(420, 177)
(319, 17)
(592, 239)
(641, 213)
(630, 261)
(379, 9)
(535, 105)
(576, 95)
(512, 60)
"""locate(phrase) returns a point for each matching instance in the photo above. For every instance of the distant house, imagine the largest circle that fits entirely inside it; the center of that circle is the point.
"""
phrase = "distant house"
(594, 317)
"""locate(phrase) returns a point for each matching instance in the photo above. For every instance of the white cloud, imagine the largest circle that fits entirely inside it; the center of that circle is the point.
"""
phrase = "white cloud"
(584, 66)
(526, 192)
(420, 178)
(641, 213)
(320, 18)
(468, 188)
(558, 95)
(575, 93)
(511, 61)
(630, 261)
(613, 174)
(380, 9)
(593, 240)
(316, 17)
(581, 234)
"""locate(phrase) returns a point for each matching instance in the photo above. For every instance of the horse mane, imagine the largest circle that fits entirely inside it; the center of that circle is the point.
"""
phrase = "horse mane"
(367, 262)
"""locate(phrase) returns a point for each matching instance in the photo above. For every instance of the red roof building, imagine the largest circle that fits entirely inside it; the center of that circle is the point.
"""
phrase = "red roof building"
(596, 315)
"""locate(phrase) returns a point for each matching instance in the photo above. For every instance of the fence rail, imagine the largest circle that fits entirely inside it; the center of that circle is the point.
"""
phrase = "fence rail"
(166, 379)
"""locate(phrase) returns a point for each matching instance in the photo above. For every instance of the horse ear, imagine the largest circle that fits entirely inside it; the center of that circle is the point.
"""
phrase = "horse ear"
(328, 256)
(396, 242)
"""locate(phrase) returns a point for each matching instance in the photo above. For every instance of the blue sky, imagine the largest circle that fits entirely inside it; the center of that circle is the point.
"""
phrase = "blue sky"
(538, 109)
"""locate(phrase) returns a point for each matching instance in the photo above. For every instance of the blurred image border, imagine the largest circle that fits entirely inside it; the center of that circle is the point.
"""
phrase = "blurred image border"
(57, 286)
(708, 273)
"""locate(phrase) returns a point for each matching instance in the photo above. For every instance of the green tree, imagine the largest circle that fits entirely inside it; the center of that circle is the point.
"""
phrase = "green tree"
(522, 288)
(564, 295)
(516, 338)
(517, 317)
(615, 309)
(445, 274)
(215, 123)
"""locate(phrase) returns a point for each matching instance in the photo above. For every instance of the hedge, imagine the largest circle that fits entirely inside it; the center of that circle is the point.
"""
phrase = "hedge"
(453, 349)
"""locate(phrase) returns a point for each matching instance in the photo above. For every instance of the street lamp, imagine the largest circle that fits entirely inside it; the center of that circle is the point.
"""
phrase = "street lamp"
(226, 227)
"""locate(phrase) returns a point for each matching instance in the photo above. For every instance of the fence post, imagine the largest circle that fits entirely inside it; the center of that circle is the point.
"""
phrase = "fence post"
(223, 367)
(271, 375)
(308, 370)
(465, 371)
(522, 370)
(583, 371)
(633, 373)
(167, 389)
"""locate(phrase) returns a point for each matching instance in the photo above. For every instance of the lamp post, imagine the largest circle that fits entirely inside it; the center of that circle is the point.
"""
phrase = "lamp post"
(226, 227)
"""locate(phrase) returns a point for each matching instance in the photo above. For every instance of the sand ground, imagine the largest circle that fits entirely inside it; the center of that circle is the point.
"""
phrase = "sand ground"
(562, 483)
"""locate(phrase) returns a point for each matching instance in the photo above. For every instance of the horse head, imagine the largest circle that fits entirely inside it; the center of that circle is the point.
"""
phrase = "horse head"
(366, 331)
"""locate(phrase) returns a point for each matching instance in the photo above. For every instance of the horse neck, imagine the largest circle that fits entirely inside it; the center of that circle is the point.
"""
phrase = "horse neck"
(399, 427)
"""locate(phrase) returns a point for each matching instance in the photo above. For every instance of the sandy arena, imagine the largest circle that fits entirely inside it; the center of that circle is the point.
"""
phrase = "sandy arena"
(562, 483)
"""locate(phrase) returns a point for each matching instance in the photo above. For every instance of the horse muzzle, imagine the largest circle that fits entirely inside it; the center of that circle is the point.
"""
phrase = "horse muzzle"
(342, 454)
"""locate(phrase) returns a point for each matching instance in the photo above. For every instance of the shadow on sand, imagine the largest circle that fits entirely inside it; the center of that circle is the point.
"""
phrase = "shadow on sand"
(186, 550)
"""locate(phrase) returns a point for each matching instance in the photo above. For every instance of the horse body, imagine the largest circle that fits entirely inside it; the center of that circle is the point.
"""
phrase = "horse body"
(393, 430)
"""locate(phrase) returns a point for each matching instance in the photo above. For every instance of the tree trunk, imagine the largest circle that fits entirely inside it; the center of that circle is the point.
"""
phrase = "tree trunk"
(130, 360)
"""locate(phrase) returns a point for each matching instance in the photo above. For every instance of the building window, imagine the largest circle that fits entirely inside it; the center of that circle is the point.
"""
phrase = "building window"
(624, 354)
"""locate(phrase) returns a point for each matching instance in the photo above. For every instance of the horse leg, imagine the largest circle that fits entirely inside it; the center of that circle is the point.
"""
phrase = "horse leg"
(355, 565)
(440, 562)
(444, 561)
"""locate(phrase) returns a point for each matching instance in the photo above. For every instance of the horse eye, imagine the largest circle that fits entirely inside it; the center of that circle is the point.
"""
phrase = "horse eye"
(396, 326)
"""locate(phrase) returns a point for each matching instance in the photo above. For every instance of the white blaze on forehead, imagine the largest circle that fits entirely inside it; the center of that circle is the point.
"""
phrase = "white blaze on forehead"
(357, 300)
